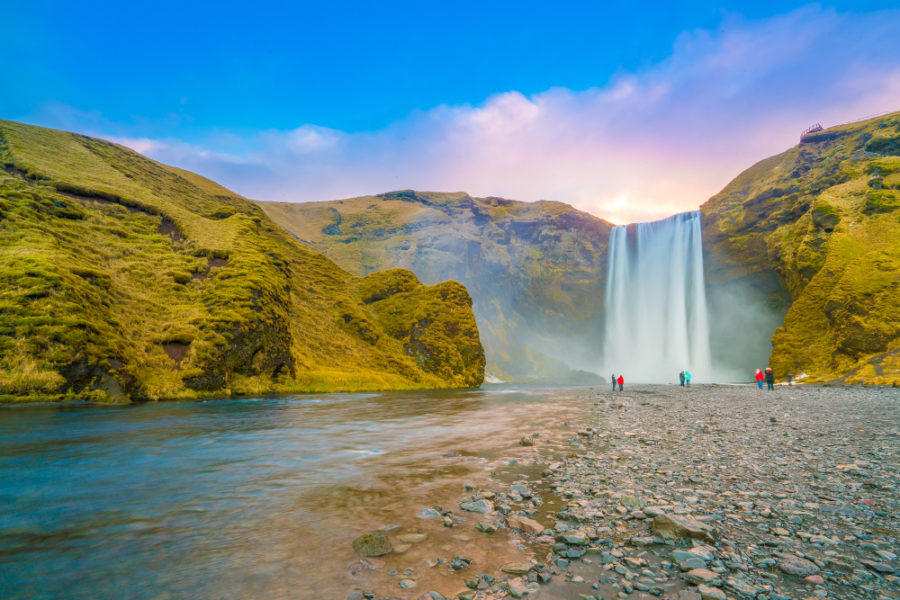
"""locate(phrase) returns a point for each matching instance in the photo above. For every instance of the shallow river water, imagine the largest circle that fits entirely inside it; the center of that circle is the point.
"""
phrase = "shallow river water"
(254, 498)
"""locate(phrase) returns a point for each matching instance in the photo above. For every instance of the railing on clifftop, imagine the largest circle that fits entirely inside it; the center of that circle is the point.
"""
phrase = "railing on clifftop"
(812, 129)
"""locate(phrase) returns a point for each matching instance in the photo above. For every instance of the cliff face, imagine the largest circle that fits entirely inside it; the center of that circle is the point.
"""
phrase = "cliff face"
(535, 270)
(815, 231)
(121, 278)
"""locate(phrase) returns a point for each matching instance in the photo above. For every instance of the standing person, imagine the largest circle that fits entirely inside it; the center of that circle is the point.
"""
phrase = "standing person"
(687, 378)
(790, 377)
(613, 378)
(621, 381)
(759, 378)
(770, 378)
(681, 378)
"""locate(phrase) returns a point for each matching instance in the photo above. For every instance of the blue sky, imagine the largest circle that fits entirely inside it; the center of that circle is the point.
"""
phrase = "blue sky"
(571, 101)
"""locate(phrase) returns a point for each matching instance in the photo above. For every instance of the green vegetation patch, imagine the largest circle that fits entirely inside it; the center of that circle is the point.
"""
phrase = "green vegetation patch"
(123, 279)
(833, 243)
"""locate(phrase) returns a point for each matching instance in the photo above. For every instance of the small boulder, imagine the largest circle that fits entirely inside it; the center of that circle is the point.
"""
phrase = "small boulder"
(711, 593)
(479, 506)
(515, 568)
(704, 576)
(525, 524)
(794, 565)
(372, 544)
(673, 527)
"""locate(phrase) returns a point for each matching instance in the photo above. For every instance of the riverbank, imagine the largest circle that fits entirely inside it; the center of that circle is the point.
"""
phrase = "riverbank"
(657, 491)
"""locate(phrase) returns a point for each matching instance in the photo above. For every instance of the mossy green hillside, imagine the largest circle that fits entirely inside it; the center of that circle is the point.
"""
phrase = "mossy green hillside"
(824, 217)
(534, 269)
(126, 279)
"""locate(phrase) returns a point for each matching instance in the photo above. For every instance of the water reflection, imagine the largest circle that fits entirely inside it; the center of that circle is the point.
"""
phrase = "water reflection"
(235, 498)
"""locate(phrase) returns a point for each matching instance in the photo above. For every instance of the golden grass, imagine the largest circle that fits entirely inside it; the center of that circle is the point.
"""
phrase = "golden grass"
(126, 279)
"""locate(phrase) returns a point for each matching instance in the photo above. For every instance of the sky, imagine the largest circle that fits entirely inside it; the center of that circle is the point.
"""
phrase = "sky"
(630, 111)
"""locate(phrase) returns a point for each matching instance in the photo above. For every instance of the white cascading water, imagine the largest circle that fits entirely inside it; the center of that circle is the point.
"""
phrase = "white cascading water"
(656, 319)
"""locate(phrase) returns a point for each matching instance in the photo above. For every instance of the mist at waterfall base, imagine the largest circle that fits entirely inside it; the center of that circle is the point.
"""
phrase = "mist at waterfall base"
(657, 322)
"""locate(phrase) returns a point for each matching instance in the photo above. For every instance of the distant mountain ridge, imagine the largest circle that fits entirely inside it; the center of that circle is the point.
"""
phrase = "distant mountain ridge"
(125, 279)
(535, 269)
(802, 261)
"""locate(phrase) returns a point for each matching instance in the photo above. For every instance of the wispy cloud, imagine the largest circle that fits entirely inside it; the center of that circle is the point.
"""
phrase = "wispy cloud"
(643, 145)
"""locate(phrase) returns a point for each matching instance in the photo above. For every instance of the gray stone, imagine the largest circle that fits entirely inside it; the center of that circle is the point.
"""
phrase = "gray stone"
(679, 556)
(695, 562)
(428, 513)
(576, 539)
(711, 593)
(479, 506)
(794, 565)
(704, 576)
(878, 566)
(741, 587)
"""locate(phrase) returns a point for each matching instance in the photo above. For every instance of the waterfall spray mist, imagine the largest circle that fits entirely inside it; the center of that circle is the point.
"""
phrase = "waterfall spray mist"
(656, 316)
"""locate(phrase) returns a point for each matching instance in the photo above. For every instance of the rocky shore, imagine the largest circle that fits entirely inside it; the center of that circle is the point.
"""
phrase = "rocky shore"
(708, 492)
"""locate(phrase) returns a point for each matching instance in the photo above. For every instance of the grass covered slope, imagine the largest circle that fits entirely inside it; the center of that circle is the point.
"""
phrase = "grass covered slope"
(126, 279)
(825, 217)
(534, 269)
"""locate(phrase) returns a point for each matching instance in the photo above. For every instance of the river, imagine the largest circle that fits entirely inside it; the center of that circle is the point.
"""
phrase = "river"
(258, 497)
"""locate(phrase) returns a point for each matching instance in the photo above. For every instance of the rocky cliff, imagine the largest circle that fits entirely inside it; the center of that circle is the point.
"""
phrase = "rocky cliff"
(535, 270)
(814, 233)
(125, 279)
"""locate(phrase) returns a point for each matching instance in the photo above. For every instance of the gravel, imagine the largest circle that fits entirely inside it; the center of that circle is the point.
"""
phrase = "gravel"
(707, 492)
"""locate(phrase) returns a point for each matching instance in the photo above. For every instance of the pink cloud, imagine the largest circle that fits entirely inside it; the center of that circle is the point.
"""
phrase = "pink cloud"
(643, 146)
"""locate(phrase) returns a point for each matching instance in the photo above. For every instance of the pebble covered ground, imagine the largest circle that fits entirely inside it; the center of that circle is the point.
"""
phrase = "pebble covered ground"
(709, 492)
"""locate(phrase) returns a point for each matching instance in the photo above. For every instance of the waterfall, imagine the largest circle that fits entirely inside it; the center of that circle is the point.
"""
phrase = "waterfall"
(656, 320)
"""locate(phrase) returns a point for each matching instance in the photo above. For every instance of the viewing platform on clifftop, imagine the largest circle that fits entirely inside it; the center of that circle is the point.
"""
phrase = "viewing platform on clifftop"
(811, 129)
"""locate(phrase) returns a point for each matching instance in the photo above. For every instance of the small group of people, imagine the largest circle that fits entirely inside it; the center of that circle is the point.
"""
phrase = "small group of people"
(620, 380)
(768, 377)
(685, 378)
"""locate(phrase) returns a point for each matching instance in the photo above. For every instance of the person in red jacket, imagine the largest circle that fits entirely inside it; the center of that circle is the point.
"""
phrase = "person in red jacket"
(621, 381)
(759, 378)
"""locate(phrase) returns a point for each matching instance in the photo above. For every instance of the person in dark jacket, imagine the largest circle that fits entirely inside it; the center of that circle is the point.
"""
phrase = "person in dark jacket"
(770, 378)
(621, 381)
(613, 378)
(681, 378)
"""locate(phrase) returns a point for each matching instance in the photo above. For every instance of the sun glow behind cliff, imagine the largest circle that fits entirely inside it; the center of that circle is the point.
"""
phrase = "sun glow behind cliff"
(656, 314)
